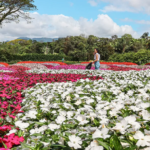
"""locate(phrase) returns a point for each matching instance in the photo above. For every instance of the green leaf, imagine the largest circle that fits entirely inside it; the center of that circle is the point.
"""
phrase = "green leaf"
(57, 145)
(131, 148)
(104, 144)
(4, 145)
(115, 143)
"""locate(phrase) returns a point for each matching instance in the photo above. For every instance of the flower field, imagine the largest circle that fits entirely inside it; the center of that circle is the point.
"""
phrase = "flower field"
(65, 107)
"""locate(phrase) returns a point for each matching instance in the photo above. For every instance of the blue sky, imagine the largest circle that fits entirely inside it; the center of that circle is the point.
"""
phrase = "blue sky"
(83, 8)
(102, 18)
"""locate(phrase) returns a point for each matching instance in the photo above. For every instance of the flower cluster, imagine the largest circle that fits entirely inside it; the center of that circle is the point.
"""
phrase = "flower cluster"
(70, 67)
(31, 65)
(4, 64)
(114, 63)
(5, 69)
(19, 68)
(60, 63)
(10, 91)
(74, 109)
(113, 113)
(53, 64)
(147, 64)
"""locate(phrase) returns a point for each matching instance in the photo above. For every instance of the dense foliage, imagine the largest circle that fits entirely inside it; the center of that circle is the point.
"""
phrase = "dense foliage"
(12, 10)
(140, 57)
(79, 48)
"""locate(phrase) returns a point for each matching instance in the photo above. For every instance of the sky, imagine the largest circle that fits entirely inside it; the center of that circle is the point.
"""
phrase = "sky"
(102, 18)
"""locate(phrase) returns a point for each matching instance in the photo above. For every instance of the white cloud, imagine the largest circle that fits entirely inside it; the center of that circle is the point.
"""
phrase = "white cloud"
(93, 2)
(143, 22)
(61, 26)
(127, 5)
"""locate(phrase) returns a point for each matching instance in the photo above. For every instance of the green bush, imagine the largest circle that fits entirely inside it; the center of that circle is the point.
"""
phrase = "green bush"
(5, 56)
(33, 57)
(140, 57)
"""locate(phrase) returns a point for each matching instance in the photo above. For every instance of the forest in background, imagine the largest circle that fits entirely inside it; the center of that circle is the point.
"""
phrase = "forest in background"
(79, 48)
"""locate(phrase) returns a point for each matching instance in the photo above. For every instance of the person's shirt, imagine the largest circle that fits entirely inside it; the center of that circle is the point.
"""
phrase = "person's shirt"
(63, 59)
(98, 56)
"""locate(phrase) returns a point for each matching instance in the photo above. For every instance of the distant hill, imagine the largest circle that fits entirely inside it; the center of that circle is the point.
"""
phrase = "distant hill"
(39, 39)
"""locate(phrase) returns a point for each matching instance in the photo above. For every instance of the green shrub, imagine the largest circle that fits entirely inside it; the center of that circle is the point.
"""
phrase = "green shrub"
(5, 56)
(33, 57)
(140, 57)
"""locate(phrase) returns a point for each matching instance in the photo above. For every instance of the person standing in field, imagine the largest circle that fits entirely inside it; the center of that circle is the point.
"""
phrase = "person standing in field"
(96, 59)
(63, 60)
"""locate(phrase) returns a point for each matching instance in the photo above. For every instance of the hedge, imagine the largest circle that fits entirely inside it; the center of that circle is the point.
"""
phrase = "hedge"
(140, 57)
(33, 57)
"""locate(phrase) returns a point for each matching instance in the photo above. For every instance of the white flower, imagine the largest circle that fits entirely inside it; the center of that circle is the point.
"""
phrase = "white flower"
(89, 101)
(8, 119)
(146, 115)
(101, 134)
(134, 108)
(61, 141)
(53, 127)
(42, 120)
(144, 105)
(75, 142)
(62, 113)
(32, 131)
(31, 114)
(146, 132)
(142, 140)
(104, 120)
(21, 125)
(45, 144)
(82, 119)
(11, 131)
(43, 128)
(78, 102)
(132, 120)
(130, 93)
(94, 146)
(125, 144)
(60, 119)
(70, 114)
(113, 112)
(122, 126)
(45, 107)
(68, 98)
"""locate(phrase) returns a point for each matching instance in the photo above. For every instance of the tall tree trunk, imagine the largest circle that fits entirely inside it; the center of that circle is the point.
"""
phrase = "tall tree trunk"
(124, 48)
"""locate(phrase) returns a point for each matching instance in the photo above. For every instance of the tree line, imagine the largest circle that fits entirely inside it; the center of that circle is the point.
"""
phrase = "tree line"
(79, 47)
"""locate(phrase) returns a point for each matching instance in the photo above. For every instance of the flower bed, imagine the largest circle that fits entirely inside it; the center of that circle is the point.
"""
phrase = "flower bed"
(88, 114)
(75, 109)
(114, 63)
(70, 67)
(60, 63)
(6, 69)
(147, 64)
(3, 64)
(11, 97)
(31, 65)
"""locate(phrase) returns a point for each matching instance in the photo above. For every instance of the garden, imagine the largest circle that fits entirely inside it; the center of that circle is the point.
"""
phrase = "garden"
(52, 105)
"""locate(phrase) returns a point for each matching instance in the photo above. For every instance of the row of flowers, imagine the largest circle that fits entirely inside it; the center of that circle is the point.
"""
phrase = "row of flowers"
(108, 114)
(11, 97)
(60, 63)
(3, 64)
(114, 63)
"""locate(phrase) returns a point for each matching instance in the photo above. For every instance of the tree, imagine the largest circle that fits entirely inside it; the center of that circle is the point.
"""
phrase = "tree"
(114, 37)
(145, 35)
(125, 41)
(12, 10)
